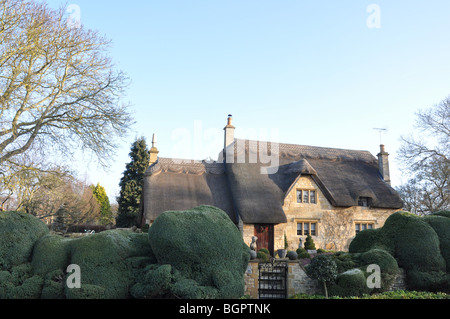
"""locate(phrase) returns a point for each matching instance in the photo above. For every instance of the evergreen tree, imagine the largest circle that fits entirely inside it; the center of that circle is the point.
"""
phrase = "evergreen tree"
(131, 184)
(99, 192)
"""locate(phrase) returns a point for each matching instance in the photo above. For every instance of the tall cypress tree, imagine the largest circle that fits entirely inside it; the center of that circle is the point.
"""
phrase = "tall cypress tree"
(131, 184)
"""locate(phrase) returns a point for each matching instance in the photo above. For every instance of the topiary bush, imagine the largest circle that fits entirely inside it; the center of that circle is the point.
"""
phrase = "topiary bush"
(419, 244)
(19, 232)
(309, 243)
(205, 246)
(388, 266)
(302, 253)
(104, 260)
(292, 255)
(349, 283)
(322, 268)
(51, 252)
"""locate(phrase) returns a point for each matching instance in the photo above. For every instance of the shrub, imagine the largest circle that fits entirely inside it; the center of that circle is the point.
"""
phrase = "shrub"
(418, 245)
(441, 225)
(309, 243)
(53, 287)
(103, 259)
(344, 261)
(51, 252)
(292, 255)
(262, 256)
(19, 232)
(204, 245)
(87, 291)
(265, 251)
(349, 283)
(322, 268)
(302, 253)
(387, 263)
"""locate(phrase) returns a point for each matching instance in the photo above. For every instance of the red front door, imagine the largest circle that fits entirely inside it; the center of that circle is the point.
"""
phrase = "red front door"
(264, 233)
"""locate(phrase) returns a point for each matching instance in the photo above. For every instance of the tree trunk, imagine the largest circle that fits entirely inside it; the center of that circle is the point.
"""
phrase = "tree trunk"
(325, 288)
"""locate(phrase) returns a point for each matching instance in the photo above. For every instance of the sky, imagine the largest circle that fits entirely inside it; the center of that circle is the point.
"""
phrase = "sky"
(322, 73)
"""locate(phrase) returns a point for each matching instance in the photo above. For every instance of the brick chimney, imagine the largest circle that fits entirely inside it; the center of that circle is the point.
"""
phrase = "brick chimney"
(153, 151)
(383, 164)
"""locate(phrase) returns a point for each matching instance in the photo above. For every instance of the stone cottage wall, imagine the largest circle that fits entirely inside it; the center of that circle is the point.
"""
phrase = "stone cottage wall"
(298, 281)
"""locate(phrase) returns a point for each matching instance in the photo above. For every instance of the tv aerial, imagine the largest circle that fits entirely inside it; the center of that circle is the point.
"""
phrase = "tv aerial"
(380, 130)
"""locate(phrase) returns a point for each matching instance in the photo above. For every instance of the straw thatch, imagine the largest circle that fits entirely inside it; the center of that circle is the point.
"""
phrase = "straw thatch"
(257, 176)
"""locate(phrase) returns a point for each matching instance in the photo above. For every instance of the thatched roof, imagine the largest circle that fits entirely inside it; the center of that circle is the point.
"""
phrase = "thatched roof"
(257, 176)
(342, 175)
(174, 184)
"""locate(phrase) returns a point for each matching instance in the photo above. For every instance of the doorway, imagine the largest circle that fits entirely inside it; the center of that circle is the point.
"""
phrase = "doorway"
(264, 233)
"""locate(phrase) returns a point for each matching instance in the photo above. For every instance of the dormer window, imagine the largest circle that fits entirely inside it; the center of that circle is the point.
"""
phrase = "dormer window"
(364, 201)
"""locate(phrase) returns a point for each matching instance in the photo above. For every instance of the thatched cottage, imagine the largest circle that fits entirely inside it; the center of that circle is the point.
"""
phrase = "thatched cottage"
(277, 191)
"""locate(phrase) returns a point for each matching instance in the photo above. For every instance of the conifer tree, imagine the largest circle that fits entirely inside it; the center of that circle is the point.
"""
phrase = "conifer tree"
(131, 184)
(99, 192)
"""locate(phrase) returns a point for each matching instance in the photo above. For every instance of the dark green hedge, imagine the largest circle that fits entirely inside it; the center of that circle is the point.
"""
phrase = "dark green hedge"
(205, 246)
(198, 254)
(419, 244)
(18, 234)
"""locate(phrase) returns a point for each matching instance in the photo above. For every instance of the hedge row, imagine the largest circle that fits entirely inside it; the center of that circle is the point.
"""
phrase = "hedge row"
(421, 245)
(193, 254)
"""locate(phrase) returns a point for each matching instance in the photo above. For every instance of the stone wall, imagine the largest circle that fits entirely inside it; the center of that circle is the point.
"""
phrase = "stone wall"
(298, 281)
(335, 226)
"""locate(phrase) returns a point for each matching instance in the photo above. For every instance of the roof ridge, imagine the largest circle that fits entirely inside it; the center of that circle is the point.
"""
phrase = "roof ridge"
(194, 167)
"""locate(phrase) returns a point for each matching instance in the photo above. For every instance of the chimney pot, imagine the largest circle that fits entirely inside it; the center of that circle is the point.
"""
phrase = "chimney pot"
(383, 164)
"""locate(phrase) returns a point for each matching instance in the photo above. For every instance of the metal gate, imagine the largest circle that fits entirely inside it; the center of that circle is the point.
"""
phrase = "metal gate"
(272, 281)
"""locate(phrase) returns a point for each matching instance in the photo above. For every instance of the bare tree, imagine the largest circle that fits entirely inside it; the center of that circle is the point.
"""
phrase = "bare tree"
(59, 91)
(426, 161)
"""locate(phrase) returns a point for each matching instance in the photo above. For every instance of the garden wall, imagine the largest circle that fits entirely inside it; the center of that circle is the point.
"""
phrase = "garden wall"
(297, 280)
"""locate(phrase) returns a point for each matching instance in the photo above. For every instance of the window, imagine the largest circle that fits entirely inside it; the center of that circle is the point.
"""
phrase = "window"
(306, 228)
(364, 201)
(312, 197)
(360, 226)
(306, 196)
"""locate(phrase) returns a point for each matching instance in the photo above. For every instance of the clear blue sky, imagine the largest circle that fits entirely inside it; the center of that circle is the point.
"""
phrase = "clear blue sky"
(294, 71)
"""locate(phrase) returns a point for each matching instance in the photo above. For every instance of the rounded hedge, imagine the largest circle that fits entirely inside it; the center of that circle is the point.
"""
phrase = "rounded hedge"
(104, 262)
(419, 244)
(349, 283)
(205, 246)
(19, 232)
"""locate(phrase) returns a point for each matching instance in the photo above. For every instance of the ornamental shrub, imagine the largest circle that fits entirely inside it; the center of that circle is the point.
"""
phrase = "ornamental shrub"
(387, 263)
(205, 246)
(419, 244)
(322, 268)
(19, 232)
(349, 283)
(441, 225)
(302, 253)
(262, 256)
(292, 255)
(51, 252)
(105, 262)
(309, 243)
